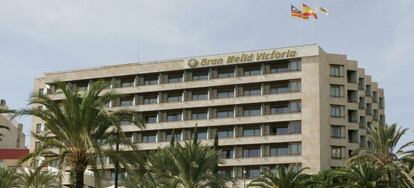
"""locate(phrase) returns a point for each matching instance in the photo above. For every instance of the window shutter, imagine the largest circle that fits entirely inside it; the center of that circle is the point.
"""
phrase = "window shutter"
(239, 71)
(212, 113)
(266, 68)
(188, 76)
(139, 99)
(265, 150)
(266, 88)
(213, 73)
(212, 133)
(265, 129)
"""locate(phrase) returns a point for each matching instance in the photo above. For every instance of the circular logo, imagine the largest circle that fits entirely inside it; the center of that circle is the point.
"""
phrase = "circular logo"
(193, 63)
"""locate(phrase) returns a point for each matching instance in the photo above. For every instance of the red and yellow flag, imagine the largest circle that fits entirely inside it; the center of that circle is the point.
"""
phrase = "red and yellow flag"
(295, 12)
(307, 11)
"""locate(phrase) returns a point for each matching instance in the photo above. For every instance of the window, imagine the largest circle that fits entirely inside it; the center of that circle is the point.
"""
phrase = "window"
(177, 135)
(279, 67)
(336, 152)
(295, 148)
(127, 82)
(202, 134)
(294, 86)
(252, 111)
(175, 77)
(279, 88)
(337, 111)
(279, 150)
(150, 99)
(126, 120)
(337, 90)
(151, 80)
(252, 172)
(174, 97)
(148, 137)
(225, 93)
(225, 113)
(82, 86)
(251, 131)
(126, 101)
(227, 153)
(337, 70)
(151, 118)
(279, 109)
(251, 152)
(225, 73)
(294, 65)
(225, 172)
(336, 131)
(200, 75)
(279, 130)
(252, 91)
(295, 106)
(199, 95)
(175, 116)
(198, 115)
(252, 70)
(38, 128)
(225, 132)
(295, 127)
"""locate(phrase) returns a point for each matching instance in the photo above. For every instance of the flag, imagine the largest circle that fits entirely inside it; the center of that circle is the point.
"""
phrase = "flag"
(325, 11)
(295, 12)
(307, 11)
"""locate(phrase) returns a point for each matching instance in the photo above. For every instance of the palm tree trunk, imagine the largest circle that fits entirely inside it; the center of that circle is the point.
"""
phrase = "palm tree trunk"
(79, 177)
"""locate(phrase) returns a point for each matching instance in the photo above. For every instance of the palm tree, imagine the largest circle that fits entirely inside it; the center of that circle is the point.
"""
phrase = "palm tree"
(9, 177)
(324, 179)
(364, 174)
(384, 140)
(38, 179)
(281, 177)
(81, 131)
(189, 164)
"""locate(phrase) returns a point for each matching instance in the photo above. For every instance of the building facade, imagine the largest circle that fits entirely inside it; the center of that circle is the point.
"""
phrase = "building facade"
(285, 106)
(13, 138)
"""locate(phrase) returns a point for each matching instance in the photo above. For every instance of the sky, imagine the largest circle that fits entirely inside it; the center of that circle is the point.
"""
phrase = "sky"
(38, 36)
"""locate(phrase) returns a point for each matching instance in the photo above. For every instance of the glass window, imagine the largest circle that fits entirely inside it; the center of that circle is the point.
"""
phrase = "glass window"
(198, 115)
(276, 89)
(174, 97)
(337, 111)
(177, 135)
(127, 101)
(225, 172)
(225, 132)
(225, 93)
(252, 173)
(279, 67)
(200, 75)
(337, 91)
(294, 65)
(151, 118)
(279, 150)
(295, 106)
(337, 70)
(202, 134)
(174, 116)
(278, 130)
(295, 148)
(279, 109)
(227, 153)
(151, 80)
(225, 73)
(251, 152)
(149, 137)
(126, 120)
(150, 99)
(251, 131)
(252, 70)
(336, 152)
(175, 77)
(252, 111)
(295, 127)
(252, 91)
(225, 113)
(127, 82)
(38, 128)
(83, 86)
(294, 86)
(199, 95)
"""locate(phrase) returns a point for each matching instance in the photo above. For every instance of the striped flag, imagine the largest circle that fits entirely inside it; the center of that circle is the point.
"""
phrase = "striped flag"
(307, 11)
(295, 12)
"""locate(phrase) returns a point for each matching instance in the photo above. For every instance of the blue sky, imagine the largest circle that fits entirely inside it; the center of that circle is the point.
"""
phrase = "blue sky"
(40, 36)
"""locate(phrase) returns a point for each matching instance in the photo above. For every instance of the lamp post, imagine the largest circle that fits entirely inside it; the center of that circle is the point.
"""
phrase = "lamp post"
(244, 177)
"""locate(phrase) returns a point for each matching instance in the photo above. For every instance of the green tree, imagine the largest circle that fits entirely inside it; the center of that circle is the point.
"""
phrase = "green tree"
(281, 177)
(9, 177)
(364, 174)
(384, 152)
(324, 179)
(38, 179)
(81, 130)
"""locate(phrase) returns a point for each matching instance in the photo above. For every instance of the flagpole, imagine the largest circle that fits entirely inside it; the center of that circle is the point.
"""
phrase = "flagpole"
(313, 23)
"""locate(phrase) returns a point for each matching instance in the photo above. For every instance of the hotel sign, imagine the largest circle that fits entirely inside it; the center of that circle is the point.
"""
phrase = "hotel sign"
(242, 58)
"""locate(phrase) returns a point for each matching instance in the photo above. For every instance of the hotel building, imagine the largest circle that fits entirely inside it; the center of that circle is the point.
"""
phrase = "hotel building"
(285, 106)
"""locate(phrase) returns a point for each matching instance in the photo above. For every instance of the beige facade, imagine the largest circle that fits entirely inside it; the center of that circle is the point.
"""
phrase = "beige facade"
(288, 106)
(14, 137)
